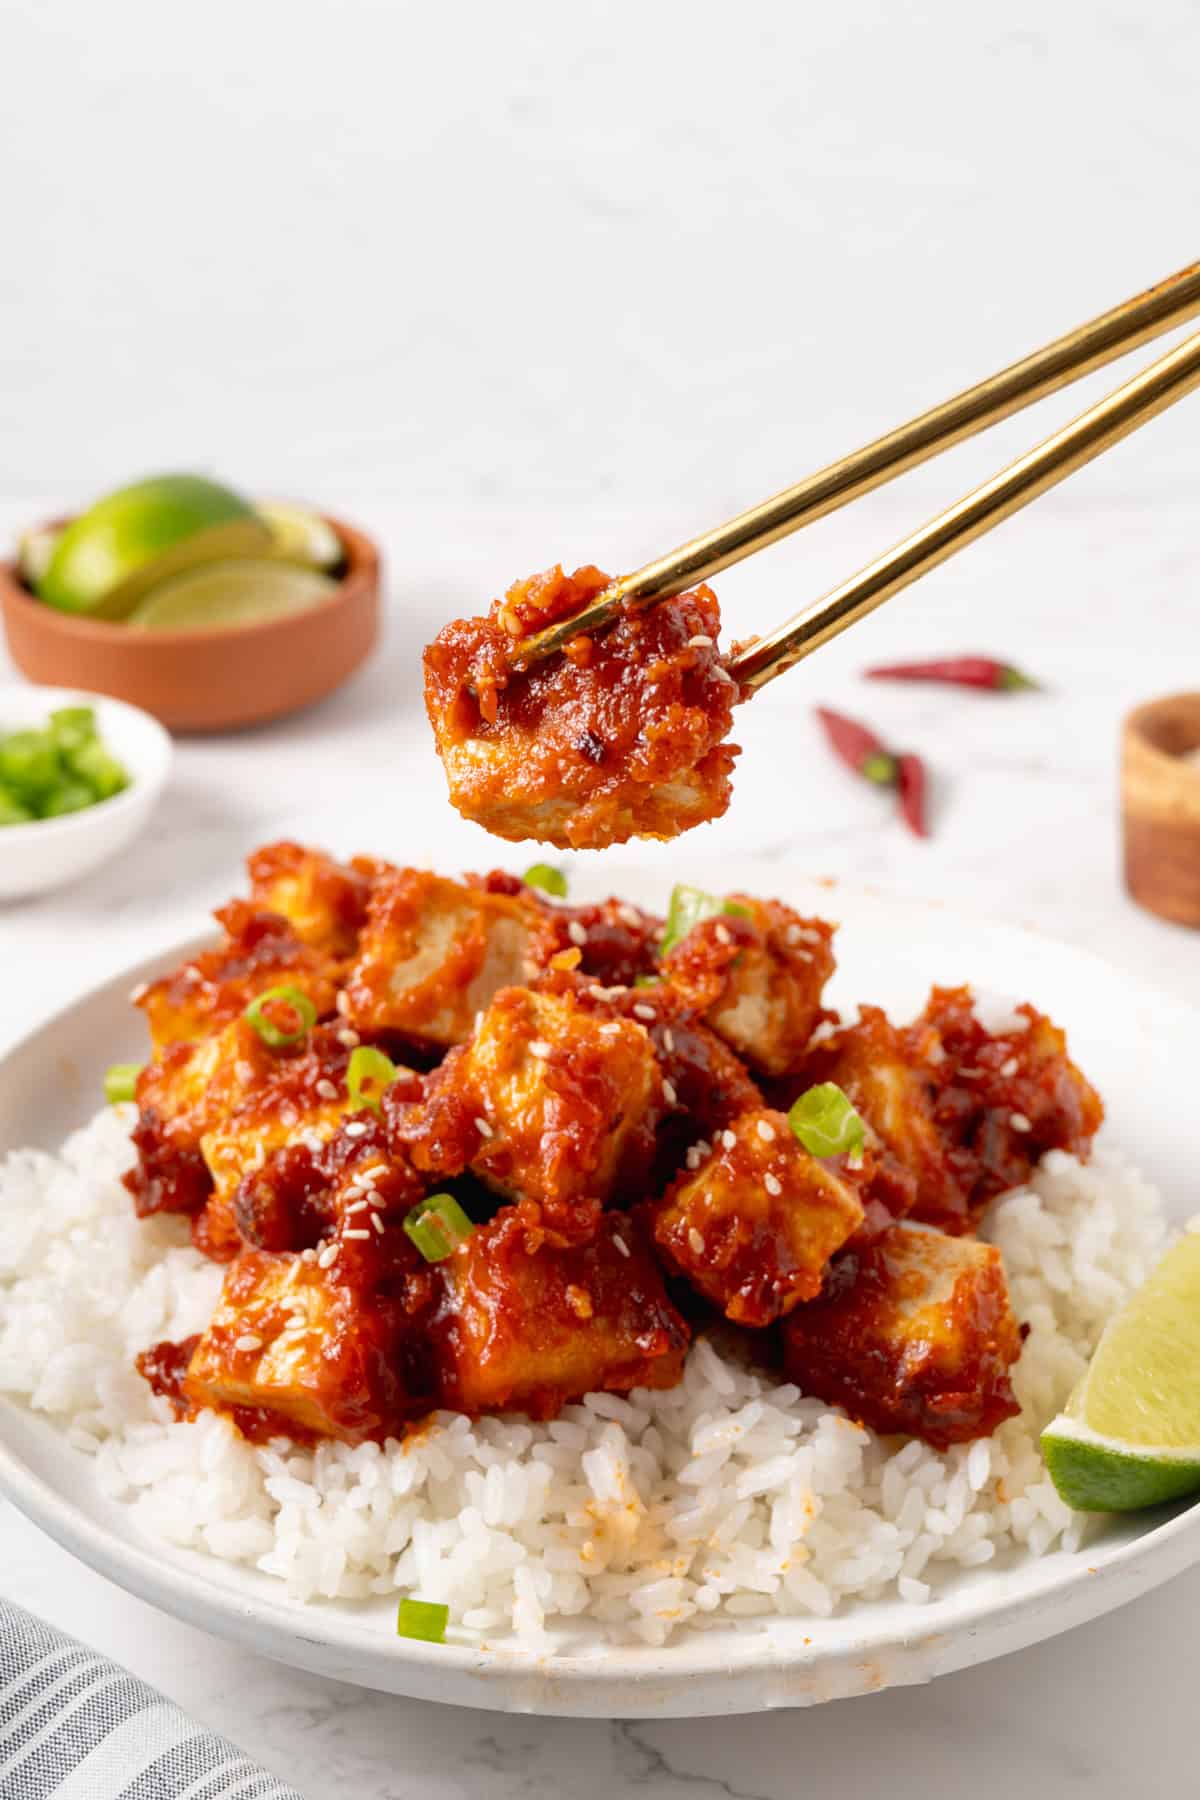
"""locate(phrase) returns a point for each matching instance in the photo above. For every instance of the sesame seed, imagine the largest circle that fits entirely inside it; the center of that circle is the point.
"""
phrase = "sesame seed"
(729, 1139)
(326, 1256)
(541, 1049)
(621, 1245)
(364, 1236)
(577, 933)
(693, 1158)
(773, 1185)
(695, 1241)
(669, 1094)
(356, 1206)
(308, 1256)
(612, 1029)
(377, 1223)
(1019, 1122)
(349, 1037)
(356, 1128)
(484, 1129)
(722, 934)
(700, 642)
(326, 1089)
(645, 1013)
(629, 915)
(1010, 1067)
(343, 1003)
(248, 1342)
(668, 1040)
(765, 1131)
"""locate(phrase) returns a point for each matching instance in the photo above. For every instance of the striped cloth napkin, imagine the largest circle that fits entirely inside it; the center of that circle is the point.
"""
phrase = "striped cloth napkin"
(74, 1726)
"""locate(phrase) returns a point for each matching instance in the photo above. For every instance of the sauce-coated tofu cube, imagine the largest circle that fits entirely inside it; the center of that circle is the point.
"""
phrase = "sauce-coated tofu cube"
(759, 973)
(433, 953)
(913, 1333)
(324, 901)
(535, 1330)
(754, 1224)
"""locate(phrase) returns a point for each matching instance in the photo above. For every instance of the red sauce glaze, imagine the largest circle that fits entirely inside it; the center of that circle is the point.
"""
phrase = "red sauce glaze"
(324, 901)
(261, 951)
(166, 1177)
(164, 1366)
(623, 736)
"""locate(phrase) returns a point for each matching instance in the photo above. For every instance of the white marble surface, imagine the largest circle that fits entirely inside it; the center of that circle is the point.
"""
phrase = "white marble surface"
(1097, 600)
(508, 285)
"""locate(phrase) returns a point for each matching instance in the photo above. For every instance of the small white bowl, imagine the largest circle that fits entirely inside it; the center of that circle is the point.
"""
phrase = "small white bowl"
(49, 853)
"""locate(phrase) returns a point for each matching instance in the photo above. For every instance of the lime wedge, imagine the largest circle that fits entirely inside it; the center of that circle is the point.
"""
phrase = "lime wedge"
(34, 550)
(127, 543)
(1130, 1435)
(302, 537)
(225, 594)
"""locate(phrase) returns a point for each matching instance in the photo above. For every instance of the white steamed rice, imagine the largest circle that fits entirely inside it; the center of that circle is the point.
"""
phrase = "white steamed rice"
(730, 1496)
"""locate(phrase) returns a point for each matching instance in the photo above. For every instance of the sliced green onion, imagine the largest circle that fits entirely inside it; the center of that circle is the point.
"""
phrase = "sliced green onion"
(270, 1033)
(12, 810)
(437, 1225)
(826, 1123)
(73, 726)
(92, 763)
(546, 877)
(67, 797)
(29, 764)
(423, 1619)
(690, 906)
(368, 1072)
(120, 1080)
(647, 980)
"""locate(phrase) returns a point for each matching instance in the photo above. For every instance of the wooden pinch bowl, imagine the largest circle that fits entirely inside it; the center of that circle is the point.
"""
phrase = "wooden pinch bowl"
(205, 680)
(1160, 807)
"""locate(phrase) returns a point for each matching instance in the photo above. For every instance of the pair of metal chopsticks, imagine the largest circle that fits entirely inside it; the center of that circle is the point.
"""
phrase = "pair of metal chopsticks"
(1068, 358)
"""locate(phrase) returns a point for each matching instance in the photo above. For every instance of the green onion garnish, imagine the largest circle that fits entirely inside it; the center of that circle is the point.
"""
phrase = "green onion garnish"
(274, 1035)
(424, 1619)
(647, 980)
(120, 1079)
(368, 1072)
(826, 1123)
(73, 726)
(546, 877)
(690, 906)
(437, 1225)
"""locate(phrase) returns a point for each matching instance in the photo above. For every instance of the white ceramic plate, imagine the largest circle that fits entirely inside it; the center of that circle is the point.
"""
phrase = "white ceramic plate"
(1139, 1048)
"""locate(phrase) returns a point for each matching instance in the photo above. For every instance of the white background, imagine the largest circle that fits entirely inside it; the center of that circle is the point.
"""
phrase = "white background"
(514, 284)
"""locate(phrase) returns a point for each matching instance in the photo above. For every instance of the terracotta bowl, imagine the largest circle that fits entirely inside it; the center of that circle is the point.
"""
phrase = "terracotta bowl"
(205, 680)
(1160, 806)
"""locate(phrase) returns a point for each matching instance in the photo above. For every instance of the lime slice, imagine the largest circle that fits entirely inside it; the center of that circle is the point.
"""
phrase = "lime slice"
(34, 550)
(226, 594)
(1130, 1435)
(113, 554)
(302, 537)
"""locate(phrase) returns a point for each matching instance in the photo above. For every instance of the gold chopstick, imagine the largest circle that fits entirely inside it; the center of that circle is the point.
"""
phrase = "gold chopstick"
(1102, 340)
(1094, 431)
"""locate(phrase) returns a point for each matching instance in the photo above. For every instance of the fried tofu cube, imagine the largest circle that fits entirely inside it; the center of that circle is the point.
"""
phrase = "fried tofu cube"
(913, 1333)
(324, 901)
(890, 1076)
(303, 1101)
(433, 953)
(294, 1347)
(754, 1224)
(568, 1103)
(624, 736)
(534, 1330)
(185, 1093)
(758, 973)
(260, 951)
(1004, 1097)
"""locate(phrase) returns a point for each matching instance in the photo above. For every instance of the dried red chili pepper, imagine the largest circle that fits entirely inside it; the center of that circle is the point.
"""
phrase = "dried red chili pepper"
(859, 748)
(958, 671)
(911, 780)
